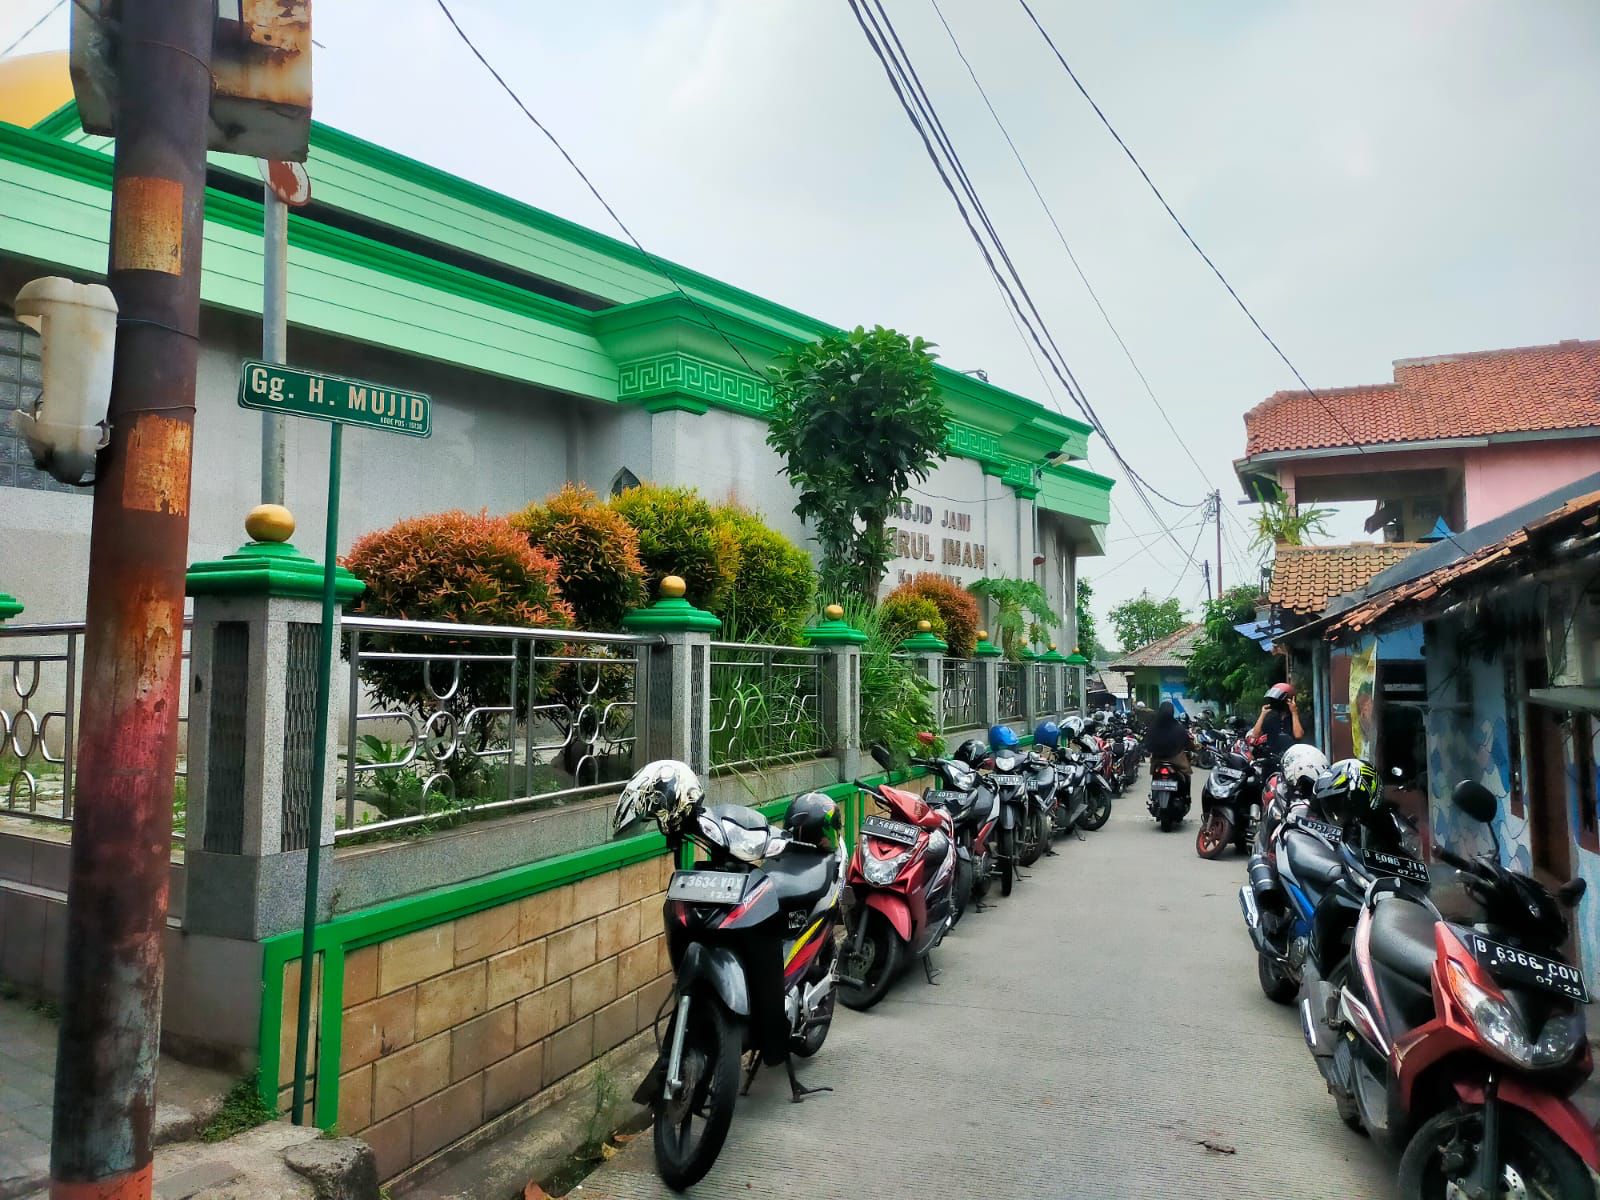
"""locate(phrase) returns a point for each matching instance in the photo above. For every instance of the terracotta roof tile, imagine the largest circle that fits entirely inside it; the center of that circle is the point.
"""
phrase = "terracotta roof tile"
(1171, 651)
(1521, 390)
(1305, 578)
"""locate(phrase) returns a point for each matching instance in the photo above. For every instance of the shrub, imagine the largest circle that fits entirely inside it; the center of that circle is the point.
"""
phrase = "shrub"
(680, 534)
(900, 614)
(956, 605)
(897, 703)
(596, 553)
(775, 587)
(460, 567)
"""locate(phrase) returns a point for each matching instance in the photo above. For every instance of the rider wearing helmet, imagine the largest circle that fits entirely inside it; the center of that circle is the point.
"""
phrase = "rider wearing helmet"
(1168, 739)
(1279, 722)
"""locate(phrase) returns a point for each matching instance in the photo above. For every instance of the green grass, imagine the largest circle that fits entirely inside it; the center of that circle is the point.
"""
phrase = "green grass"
(242, 1109)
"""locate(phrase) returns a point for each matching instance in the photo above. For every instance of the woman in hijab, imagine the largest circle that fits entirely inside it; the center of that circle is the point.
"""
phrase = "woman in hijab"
(1168, 740)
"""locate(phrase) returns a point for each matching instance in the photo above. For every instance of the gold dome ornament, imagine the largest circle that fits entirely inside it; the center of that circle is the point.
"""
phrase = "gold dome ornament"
(983, 635)
(834, 612)
(269, 523)
(924, 625)
(673, 587)
(1052, 645)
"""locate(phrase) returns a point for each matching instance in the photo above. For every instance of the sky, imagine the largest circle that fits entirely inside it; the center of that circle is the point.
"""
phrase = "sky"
(1379, 179)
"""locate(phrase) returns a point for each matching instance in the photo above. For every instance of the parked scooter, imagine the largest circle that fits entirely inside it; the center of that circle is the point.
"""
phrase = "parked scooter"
(1462, 1043)
(1169, 795)
(1019, 834)
(1236, 792)
(974, 808)
(751, 935)
(901, 890)
(1071, 773)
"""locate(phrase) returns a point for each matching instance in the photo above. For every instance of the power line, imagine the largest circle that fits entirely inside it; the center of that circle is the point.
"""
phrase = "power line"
(906, 88)
(49, 12)
(1189, 562)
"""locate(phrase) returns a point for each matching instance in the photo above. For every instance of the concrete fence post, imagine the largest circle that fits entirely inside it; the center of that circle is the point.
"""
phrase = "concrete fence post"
(989, 657)
(1032, 711)
(840, 698)
(676, 684)
(1053, 661)
(927, 650)
(252, 713)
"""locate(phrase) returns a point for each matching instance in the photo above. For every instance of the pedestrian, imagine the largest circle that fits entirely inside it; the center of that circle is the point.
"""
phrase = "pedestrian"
(1279, 722)
(1168, 740)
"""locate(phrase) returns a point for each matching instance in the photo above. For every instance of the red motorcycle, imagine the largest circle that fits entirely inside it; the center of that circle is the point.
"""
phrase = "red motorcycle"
(1462, 1044)
(900, 888)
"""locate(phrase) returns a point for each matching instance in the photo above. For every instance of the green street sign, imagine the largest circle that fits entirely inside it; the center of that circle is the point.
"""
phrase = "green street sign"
(274, 387)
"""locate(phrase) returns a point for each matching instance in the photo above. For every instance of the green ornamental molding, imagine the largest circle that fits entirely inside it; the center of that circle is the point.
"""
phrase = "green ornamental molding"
(985, 648)
(835, 631)
(672, 613)
(1026, 654)
(971, 442)
(925, 641)
(10, 606)
(1075, 659)
(268, 569)
(1052, 655)
(661, 379)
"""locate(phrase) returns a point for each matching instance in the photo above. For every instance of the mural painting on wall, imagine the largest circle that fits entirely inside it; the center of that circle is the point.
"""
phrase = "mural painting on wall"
(938, 540)
(1363, 685)
(1473, 747)
(1339, 693)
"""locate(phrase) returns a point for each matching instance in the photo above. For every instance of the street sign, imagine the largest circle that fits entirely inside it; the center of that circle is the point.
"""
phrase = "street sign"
(289, 181)
(276, 388)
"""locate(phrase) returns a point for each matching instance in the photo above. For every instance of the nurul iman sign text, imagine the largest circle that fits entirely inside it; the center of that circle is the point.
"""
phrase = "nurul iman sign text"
(276, 388)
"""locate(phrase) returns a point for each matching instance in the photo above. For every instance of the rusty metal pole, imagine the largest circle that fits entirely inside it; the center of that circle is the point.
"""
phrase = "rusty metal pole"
(132, 670)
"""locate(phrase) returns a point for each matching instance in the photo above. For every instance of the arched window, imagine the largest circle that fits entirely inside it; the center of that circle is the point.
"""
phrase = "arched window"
(625, 479)
(19, 385)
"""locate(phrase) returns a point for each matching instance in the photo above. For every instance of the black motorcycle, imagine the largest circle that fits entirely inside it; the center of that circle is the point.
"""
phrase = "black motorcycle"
(751, 932)
(1169, 796)
(974, 807)
(1019, 834)
(1231, 802)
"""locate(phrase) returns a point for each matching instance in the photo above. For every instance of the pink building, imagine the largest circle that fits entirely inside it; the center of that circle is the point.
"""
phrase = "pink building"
(1462, 437)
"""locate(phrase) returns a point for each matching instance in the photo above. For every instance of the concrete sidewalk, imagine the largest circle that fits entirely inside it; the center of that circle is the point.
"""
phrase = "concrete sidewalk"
(1099, 1034)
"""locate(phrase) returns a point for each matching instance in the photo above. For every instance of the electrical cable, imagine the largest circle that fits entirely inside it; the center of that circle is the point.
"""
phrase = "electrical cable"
(1184, 570)
(1190, 238)
(48, 13)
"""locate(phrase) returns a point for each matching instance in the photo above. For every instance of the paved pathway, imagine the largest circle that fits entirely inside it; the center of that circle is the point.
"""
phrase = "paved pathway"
(1087, 1038)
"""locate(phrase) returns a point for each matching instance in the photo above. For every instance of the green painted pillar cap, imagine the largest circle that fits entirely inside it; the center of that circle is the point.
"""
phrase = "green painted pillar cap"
(268, 565)
(925, 640)
(672, 613)
(10, 606)
(834, 631)
(985, 648)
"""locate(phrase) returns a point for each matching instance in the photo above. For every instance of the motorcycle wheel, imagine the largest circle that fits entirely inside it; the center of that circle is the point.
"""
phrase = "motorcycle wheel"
(1028, 846)
(1008, 860)
(982, 876)
(1276, 983)
(1167, 824)
(690, 1129)
(962, 891)
(1046, 833)
(809, 1042)
(1443, 1153)
(1098, 814)
(1216, 831)
(876, 963)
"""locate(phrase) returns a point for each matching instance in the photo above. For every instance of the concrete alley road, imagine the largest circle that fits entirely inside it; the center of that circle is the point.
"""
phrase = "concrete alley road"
(1088, 1037)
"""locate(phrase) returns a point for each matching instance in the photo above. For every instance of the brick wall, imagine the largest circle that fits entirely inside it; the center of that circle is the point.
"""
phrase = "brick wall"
(452, 1025)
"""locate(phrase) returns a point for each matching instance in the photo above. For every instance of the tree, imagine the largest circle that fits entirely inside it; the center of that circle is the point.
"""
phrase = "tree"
(775, 587)
(1226, 666)
(858, 420)
(1023, 611)
(1288, 524)
(681, 534)
(1143, 620)
(1088, 636)
(596, 554)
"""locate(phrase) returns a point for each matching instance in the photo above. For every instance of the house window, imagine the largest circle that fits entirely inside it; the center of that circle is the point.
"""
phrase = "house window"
(19, 385)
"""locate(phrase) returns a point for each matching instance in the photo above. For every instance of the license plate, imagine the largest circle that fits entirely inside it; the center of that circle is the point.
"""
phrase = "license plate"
(1165, 785)
(707, 887)
(1401, 865)
(889, 831)
(1521, 966)
(943, 799)
(1321, 828)
(1006, 780)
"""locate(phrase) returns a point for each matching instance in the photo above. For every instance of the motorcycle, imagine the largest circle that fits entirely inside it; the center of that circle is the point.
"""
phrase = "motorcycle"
(1461, 1044)
(751, 935)
(1231, 803)
(1018, 842)
(1169, 796)
(901, 890)
(1044, 794)
(974, 808)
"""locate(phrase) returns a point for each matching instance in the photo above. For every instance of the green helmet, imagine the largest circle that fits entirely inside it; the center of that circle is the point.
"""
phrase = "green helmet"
(1348, 791)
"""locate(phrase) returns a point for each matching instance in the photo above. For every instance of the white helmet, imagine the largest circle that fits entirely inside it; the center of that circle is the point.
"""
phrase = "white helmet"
(1303, 765)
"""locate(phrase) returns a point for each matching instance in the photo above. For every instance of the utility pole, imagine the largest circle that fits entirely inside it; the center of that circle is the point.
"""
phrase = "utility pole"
(274, 330)
(132, 669)
(1216, 511)
(1205, 569)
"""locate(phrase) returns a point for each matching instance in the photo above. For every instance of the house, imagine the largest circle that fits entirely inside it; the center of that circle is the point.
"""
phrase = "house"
(1461, 438)
(552, 353)
(1479, 658)
(1157, 671)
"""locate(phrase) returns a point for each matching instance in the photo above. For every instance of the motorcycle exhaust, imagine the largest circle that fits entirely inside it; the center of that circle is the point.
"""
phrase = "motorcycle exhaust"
(1252, 922)
(1263, 879)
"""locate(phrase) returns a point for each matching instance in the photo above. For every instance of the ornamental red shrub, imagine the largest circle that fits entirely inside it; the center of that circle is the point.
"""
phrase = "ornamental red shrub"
(957, 605)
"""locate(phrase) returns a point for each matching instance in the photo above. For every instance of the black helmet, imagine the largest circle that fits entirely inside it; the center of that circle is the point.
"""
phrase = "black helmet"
(813, 819)
(972, 752)
(1348, 791)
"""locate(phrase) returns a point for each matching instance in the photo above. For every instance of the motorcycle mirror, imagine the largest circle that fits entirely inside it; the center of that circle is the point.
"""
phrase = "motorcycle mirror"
(1477, 801)
(1571, 892)
(881, 756)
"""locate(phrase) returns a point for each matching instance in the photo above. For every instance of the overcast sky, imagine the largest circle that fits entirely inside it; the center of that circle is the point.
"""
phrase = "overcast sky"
(1380, 179)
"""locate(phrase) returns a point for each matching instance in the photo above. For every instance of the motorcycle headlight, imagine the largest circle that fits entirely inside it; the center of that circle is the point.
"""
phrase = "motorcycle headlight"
(881, 871)
(747, 845)
(1502, 1028)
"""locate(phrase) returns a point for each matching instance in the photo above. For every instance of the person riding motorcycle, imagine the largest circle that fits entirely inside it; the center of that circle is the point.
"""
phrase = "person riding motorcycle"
(1168, 740)
(1279, 721)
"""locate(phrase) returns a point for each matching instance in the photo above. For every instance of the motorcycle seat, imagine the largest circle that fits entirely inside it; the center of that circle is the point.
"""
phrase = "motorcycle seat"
(744, 818)
(802, 875)
(1313, 862)
(1402, 939)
